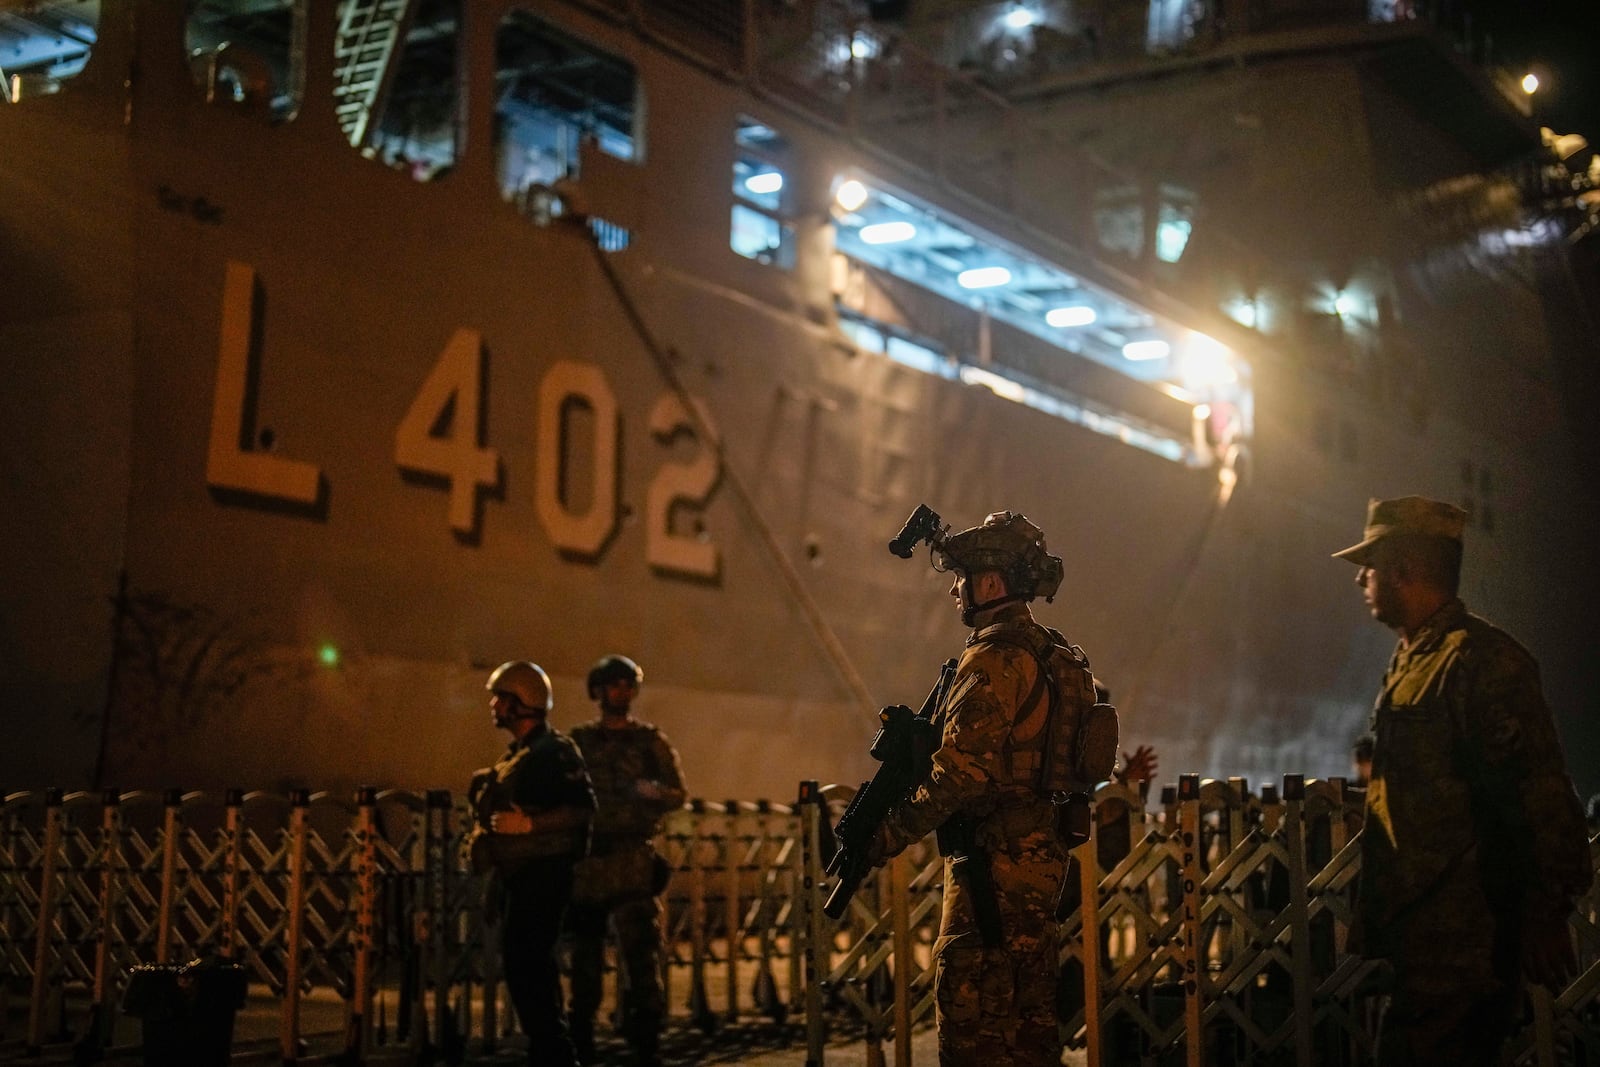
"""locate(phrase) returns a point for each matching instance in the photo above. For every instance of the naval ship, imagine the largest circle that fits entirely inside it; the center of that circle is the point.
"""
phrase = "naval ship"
(351, 348)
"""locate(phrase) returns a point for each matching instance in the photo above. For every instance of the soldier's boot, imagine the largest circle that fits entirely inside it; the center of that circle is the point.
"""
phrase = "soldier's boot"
(583, 1039)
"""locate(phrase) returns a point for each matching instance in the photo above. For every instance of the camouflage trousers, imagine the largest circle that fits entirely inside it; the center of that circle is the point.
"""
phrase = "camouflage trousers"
(638, 928)
(1456, 984)
(996, 1006)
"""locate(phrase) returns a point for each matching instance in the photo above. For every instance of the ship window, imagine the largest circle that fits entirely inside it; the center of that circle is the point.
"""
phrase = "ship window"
(1391, 10)
(44, 46)
(1171, 25)
(760, 223)
(1174, 224)
(556, 93)
(395, 84)
(1119, 220)
(249, 55)
(761, 237)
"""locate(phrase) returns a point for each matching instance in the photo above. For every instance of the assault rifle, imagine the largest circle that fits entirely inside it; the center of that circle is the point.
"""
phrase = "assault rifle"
(904, 745)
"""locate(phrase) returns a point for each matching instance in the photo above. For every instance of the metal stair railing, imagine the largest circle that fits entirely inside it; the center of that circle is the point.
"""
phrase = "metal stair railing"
(370, 37)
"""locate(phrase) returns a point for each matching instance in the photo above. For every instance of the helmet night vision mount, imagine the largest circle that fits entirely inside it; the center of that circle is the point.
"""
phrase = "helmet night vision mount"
(1005, 542)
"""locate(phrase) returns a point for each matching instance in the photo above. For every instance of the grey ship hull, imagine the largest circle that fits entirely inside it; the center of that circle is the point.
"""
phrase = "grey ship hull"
(1233, 643)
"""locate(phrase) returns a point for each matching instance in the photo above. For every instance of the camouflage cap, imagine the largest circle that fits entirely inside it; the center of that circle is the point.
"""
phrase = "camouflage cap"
(1405, 515)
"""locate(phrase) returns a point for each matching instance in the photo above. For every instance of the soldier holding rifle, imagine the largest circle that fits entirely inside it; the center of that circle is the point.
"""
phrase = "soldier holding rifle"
(531, 813)
(1020, 743)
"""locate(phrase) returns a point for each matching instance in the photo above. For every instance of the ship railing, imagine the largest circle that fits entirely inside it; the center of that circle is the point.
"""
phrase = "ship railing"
(1209, 926)
(848, 71)
(357, 921)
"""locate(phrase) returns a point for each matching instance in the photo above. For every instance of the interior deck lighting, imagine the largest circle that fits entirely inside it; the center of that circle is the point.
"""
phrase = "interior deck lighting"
(765, 183)
(1154, 348)
(850, 195)
(887, 233)
(983, 277)
(1072, 315)
(1020, 18)
(1207, 362)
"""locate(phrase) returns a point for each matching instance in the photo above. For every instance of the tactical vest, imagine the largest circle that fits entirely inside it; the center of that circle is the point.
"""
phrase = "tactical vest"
(1061, 740)
(616, 759)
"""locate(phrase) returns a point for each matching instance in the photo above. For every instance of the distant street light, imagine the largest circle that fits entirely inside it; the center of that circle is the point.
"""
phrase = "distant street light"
(1530, 83)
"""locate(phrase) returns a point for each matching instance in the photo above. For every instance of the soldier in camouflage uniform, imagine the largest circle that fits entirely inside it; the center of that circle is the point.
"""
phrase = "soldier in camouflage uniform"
(531, 813)
(638, 781)
(1020, 730)
(1474, 846)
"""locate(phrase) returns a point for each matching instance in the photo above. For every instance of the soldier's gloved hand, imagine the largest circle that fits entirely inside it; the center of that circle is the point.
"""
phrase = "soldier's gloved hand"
(884, 845)
(515, 821)
(1548, 958)
(649, 789)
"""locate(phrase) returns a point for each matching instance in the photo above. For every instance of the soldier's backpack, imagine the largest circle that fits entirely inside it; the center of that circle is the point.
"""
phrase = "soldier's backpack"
(1079, 746)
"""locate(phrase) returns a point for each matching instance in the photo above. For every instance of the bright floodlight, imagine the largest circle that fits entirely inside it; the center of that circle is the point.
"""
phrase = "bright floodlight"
(1207, 362)
(1244, 312)
(1074, 315)
(769, 181)
(1344, 304)
(1152, 349)
(850, 195)
(1530, 83)
(1020, 18)
(983, 277)
(887, 233)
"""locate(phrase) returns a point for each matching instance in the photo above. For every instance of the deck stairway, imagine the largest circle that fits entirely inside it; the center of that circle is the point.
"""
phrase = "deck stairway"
(371, 33)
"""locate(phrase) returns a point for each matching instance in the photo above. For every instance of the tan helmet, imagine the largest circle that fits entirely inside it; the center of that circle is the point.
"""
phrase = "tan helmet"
(524, 680)
(1008, 543)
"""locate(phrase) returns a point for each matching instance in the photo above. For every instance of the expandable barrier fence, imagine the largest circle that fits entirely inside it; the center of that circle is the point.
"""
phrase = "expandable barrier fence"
(1209, 928)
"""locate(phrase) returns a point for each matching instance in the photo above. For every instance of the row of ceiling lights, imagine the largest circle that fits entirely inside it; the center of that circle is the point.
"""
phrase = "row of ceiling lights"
(852, 194)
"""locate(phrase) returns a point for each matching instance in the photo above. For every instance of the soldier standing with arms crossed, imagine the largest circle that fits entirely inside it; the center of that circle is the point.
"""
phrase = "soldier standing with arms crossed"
(637, 781)
(532, 812)
(1020, 733)
(1474, 845)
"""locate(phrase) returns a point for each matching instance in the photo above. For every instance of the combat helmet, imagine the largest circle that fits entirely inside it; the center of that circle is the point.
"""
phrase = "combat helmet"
(613, 668)
(1008, 543)
(524, 680)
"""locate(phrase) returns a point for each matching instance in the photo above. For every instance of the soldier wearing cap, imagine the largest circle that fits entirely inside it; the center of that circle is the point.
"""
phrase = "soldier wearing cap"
(1020, 733)
(637, 781)
(1473, 848)
(531, 816)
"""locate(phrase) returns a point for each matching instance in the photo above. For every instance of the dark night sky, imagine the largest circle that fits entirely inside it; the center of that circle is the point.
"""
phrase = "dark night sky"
(1560, 41)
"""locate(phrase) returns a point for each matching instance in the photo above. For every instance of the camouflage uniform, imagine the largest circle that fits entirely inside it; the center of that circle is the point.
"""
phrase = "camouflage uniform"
(531, 875)
(1471, 823)
(997, 1006)
(623, 874)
